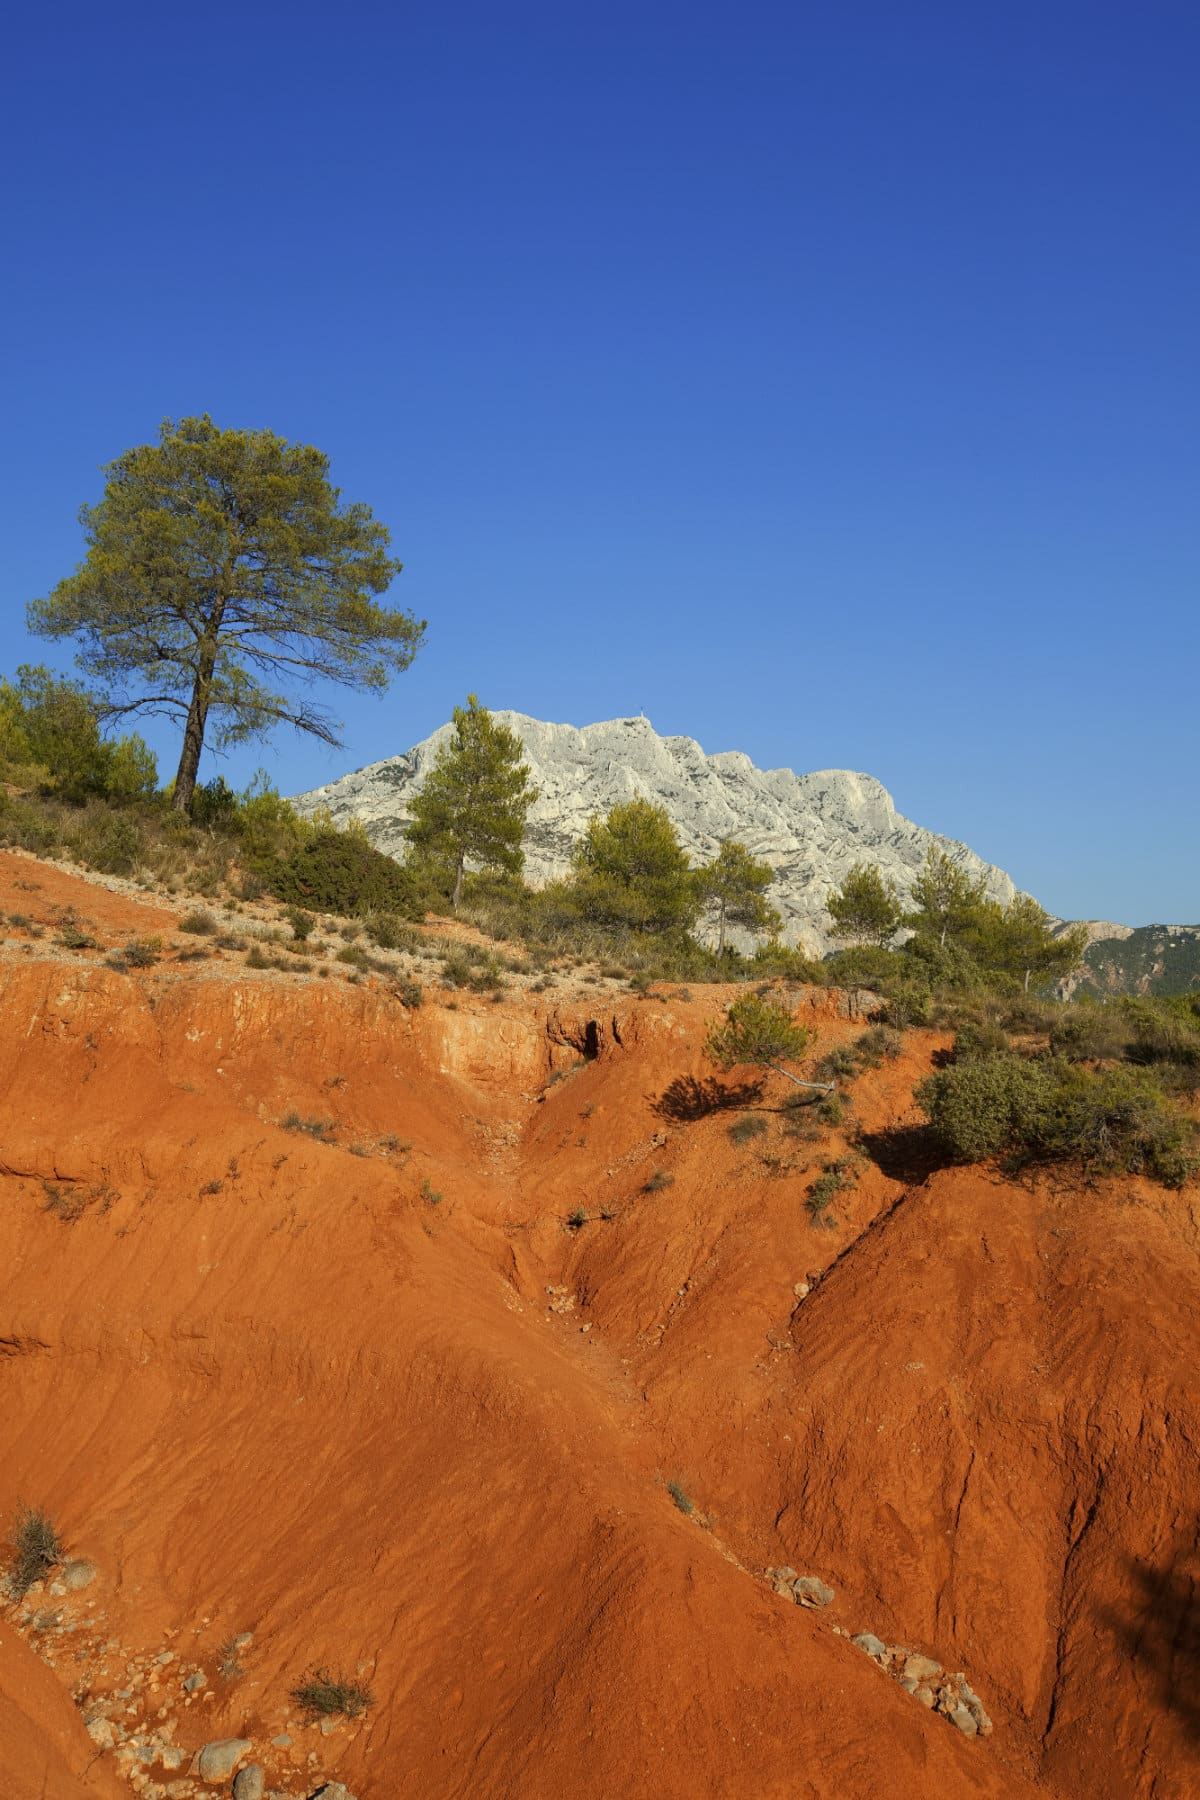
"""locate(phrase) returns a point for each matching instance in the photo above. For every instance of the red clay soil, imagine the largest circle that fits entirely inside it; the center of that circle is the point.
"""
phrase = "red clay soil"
(45, 1753)
(403, 1399)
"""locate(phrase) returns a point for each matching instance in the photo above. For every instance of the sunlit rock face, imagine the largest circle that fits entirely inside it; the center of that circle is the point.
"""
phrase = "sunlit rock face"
(810, 828)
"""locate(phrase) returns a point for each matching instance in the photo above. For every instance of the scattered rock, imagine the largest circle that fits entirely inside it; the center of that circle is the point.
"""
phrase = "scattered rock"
(249, 1783)
(866, 1640)
(102, 1733)
(964, 1719)
(801, 1289)
(218, 1760)
(333, 1790)
(926, 1696)
(283, 1741)
(77, 1574)
(921, 1668)
(810, 1590)
(193, 1681)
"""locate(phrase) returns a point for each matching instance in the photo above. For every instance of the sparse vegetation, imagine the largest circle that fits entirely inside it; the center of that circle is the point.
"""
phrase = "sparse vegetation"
(658, 1181)
(142, 952)
(72, 936)
(36, 1549)
(432, 1196)
(201, 923)
(748, 1127)
(321, 1129)
(322, 1696)
(835, 1179)
(681, 1497)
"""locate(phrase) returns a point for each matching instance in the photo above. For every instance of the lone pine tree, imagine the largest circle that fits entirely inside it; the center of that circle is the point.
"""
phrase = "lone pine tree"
(474, 801)
(224, 572)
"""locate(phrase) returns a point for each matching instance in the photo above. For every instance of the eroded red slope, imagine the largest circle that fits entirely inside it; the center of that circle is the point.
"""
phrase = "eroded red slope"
(270, 1386)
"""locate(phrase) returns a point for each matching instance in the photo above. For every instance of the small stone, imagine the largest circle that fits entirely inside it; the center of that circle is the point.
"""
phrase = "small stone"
(866, 1640)
(171, 1757)
(102, 1733)
(909, 1683)
(785, 1574)
(78, 1574)
(218, 1760)
(283, 1741)
(810, 1590)
(329, 1726)
(242, 1639)
(964, 1719)
(922, 1667)
(164, 1657)
(800, 1289)
(49, 1619)
(193, 1681)
(926, 1696)
(333, 1790)
(248, 1783)
(57, 1590)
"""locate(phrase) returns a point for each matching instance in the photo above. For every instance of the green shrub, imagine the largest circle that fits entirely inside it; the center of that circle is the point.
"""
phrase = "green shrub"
(880, 1044)
(142, 952)
(837, 1065)
(37, 1548)
(750, 1125)
(409, 993)
(658, 1181)
(1047, 1110)
(301, 923)
(389, 933)
(982, 1107)
(340, 872)
(1161, 1033)
(72, 936)
(974, 1042)
(202, 924)
(906, 1006)
(109, 842)
(836, 1177)
(681, 1497)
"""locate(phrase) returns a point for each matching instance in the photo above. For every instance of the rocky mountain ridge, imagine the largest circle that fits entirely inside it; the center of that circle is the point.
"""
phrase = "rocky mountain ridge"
(811, 828)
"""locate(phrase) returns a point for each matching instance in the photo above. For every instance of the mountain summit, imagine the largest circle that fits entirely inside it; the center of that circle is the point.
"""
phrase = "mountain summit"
(810, 828)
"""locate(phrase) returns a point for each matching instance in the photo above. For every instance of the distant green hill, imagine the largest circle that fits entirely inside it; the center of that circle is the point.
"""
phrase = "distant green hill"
(1154, 959)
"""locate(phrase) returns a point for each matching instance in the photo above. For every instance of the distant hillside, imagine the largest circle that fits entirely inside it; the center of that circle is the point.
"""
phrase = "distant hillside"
(809, 828)
(1153, 959)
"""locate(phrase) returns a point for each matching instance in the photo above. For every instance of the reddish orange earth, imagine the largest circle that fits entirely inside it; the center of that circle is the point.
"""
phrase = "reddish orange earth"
(405, 1396)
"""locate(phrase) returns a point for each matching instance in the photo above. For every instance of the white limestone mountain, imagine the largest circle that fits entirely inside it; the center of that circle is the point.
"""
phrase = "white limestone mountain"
(810, 828)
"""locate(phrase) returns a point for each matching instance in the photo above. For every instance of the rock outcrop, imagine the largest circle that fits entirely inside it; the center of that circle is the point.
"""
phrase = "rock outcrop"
(810, 828)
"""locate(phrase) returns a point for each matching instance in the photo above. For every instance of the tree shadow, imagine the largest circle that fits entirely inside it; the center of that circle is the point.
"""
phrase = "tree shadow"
(907, 1153)
(689, 1098)
(1163, 1636)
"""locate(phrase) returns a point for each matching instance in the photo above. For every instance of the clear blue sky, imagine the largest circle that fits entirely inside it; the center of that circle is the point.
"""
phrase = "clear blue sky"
(821, 380)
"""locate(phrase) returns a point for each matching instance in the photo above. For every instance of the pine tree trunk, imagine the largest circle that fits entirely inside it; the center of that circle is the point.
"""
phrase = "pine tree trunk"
(721, 932)
(197, 719)
(189, 757)
(458, 883)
